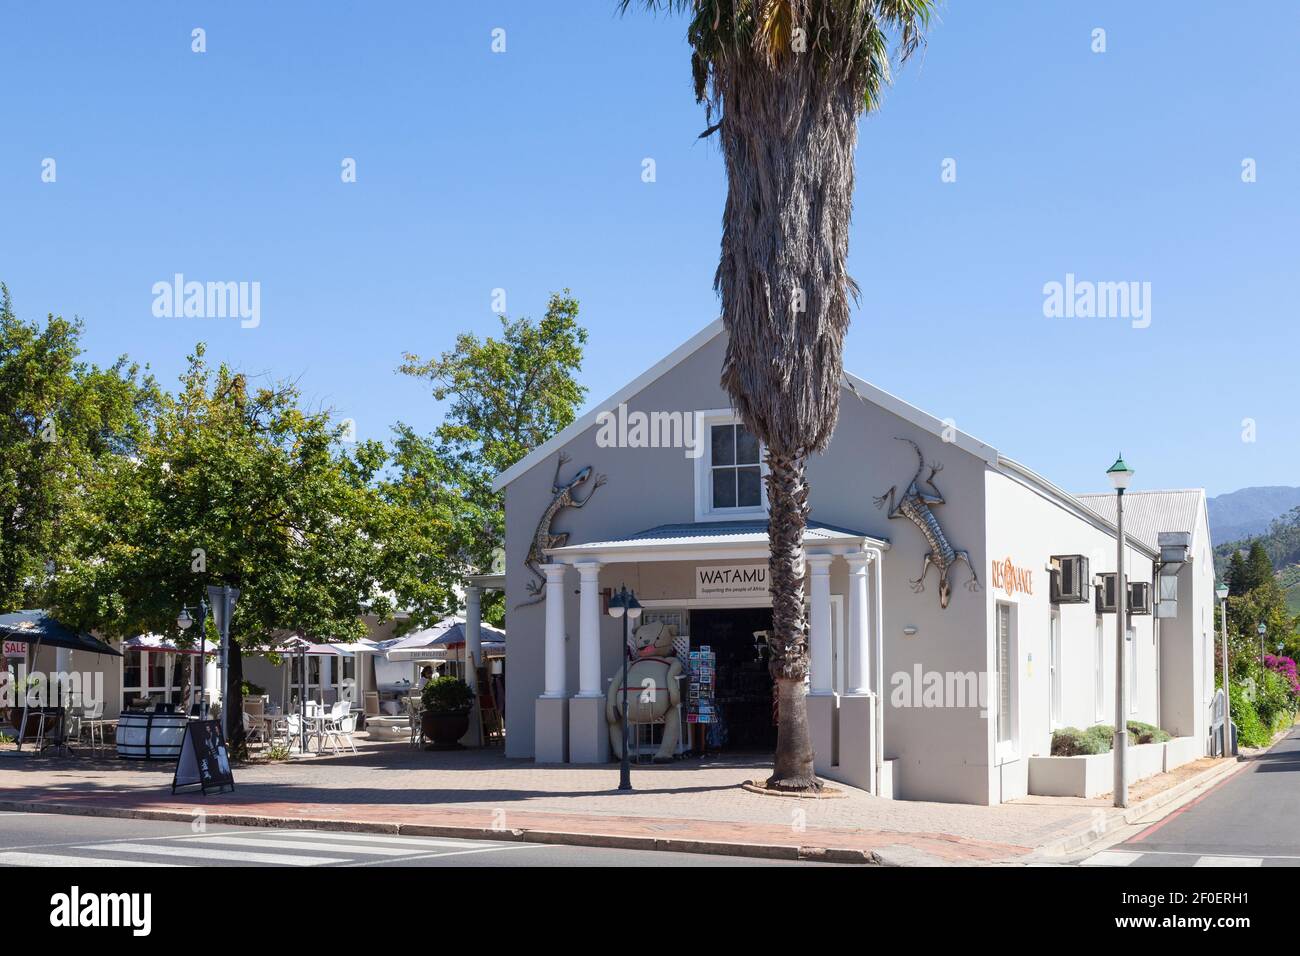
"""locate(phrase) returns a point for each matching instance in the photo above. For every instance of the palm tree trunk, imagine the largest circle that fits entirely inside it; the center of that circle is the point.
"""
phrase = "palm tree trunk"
(787, 492)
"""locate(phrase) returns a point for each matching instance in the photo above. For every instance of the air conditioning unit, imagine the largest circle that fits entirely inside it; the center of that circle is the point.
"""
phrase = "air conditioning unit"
(1139, 597)
(1070, 580)
(1107, 598)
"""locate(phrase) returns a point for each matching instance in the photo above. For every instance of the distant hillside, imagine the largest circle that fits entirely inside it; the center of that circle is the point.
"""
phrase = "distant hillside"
(1249, 512)
(1282, 543)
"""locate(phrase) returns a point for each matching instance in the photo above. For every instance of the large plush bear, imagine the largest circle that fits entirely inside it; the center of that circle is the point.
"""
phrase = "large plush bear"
(653, 690)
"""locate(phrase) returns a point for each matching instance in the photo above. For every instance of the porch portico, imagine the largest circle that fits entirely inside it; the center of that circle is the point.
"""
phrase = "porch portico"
(844, 687)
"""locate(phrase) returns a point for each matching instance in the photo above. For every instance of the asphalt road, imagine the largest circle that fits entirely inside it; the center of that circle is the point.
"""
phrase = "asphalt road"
(50, 839)
(1248, 820)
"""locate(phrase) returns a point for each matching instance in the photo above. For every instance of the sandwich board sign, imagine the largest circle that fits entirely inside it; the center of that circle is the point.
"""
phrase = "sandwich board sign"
(203, 762)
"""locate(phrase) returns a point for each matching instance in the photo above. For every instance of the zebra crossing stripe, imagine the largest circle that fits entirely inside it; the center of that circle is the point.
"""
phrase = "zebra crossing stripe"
(1111, 858)
(15, 858)
(203, 853)
(223, 839)
(1229, 861)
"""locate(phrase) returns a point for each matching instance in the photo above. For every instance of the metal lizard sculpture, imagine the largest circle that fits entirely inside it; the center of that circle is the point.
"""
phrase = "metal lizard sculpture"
(915, 506)
(542, 537)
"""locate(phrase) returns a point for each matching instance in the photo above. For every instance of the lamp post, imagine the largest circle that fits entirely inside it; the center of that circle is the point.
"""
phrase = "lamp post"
(625, 605)
(1120, 474)
(1221, 592)
(184, 621)
(223, 598)
(1261, 630)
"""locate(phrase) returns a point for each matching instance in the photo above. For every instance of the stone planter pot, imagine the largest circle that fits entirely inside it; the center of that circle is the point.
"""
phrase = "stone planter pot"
(444, 730)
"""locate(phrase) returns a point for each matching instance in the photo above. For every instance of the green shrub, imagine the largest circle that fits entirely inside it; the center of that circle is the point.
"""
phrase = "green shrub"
(6, 739)
(446, 695)
(1140, 733)
(277, 752)
(1073, 742)
(1251, 731)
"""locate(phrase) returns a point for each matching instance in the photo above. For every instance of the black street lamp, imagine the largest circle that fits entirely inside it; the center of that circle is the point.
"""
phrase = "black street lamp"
(184, 621)
(625, 605)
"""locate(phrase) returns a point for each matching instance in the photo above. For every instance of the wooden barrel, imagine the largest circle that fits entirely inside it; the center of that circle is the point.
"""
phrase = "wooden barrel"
(142, 736)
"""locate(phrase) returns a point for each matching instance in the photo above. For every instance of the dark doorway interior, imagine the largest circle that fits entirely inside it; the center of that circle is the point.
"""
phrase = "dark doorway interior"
(743, 696)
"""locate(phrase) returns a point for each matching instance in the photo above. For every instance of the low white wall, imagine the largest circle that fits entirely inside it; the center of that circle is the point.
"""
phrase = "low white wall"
(1091, 775)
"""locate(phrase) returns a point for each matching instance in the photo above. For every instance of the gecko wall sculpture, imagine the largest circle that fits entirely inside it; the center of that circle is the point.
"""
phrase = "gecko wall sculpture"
(543, 537)
(915, 505)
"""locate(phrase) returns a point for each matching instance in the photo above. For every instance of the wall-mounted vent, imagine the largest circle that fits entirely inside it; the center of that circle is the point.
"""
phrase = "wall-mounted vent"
(1106, 596)
(1139, 597)
(1070, 580)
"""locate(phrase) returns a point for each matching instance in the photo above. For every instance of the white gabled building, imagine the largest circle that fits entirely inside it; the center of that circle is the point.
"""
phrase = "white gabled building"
(895, 690)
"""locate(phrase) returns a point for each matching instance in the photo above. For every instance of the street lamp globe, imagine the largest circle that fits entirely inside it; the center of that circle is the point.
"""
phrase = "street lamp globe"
(1221, 592)
(1119, 474)
(183, 620)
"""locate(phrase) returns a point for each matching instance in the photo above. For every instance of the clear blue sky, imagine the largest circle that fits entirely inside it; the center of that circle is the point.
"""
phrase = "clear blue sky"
(522, 171)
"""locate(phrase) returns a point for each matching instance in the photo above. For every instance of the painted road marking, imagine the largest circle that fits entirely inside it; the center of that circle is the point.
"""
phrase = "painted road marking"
(1229, 861)
(273, 844)
(49, 859)
(1111, 858)
(202, 853)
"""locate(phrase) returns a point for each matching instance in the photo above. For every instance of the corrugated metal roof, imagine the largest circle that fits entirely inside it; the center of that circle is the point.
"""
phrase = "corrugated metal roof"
(1147, 513)
(717, 532)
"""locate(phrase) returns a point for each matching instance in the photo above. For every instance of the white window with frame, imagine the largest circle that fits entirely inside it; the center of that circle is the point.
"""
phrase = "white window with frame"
(729, 471)
(1054, 671)
(1006, 656)
(313, 677)
(150, 676)
(1099, 670)
(1131, 650)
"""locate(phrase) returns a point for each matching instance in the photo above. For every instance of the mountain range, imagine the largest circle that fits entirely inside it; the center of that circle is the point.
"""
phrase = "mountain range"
(1249, 512)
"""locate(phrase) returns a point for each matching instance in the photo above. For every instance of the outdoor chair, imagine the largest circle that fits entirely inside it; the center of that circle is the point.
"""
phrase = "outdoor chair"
(90, 723)
(253, 728)
(340, 731)
(371, 704)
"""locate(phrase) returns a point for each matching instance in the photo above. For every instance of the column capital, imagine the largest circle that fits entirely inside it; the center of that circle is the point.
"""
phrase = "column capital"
(858, 560)
(819, 563)
(554, 573)
(588, 570)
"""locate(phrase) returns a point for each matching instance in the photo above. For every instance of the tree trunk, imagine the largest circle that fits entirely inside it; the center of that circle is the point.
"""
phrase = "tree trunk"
(787, 493)
(232, 710)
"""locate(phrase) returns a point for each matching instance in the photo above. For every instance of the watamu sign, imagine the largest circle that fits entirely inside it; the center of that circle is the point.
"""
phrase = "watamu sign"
(1012, 579)
(731, 580)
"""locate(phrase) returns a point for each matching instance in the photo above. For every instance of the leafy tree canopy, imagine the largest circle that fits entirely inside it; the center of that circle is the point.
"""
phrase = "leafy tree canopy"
(60, 419)
(506, 395)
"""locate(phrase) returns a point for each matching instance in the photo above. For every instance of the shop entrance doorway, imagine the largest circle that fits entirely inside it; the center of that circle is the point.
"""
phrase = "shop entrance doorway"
(743, 703)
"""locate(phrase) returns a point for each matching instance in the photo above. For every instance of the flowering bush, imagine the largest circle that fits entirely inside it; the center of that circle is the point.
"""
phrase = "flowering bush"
(1286, 667)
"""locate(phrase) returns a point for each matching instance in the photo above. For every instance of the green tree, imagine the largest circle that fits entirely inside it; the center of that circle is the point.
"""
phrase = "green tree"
(1235, 576)
(1259, 569)
(505, 395)
(232, 485)
(59, 418)
(788, 80)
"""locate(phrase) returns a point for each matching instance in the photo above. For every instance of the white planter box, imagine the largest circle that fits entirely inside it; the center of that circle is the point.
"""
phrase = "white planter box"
(1093, 774)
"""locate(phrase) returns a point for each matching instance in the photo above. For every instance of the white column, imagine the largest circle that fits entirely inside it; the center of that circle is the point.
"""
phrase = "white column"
(589, 631)
(473, 635)
(819, 573)
(555, 664)
(858, 649)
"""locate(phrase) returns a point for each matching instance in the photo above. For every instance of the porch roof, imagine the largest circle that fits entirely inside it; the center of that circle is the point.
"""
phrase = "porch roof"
(705, 540)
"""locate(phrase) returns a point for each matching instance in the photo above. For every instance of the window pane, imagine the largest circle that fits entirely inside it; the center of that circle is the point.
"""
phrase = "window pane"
(157, 670)
(724, 487)
(1004, 673)
(724, 444)
(131, 669)
(748, 490)
(746, 447)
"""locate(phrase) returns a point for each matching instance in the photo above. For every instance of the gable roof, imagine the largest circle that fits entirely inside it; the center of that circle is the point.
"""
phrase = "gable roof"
(863, 389)
(1147, 513)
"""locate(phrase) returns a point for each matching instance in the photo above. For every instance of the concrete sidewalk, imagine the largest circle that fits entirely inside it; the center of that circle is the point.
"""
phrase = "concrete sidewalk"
(686, 806)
